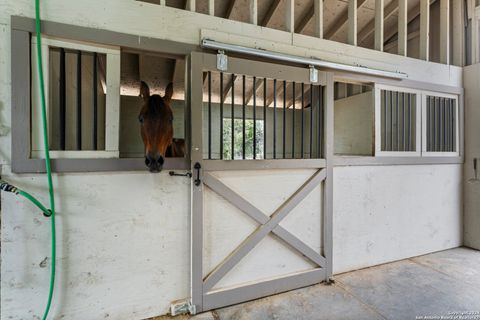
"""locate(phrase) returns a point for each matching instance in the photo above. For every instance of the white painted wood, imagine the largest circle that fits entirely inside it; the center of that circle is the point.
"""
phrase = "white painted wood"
(318, 14)
(290, 16)
(154, 21)
(424, 29)
(191, 5)
(458, 33)
(352, 22)
(112, 111)
(475, 36)
(253, 12)
(73, 154)
(211, 7)
(379, 24)
(402, 26)
(388, 213)
(445, 31)
(125, 234)
(471, 187)
(353, 132)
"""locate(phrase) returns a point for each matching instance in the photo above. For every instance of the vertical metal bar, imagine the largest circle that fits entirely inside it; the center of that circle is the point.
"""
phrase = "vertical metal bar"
(265, 118)
(437, 123)
(79, 100)
(284, 127)
(95, 101)
(254, 92)
(274, 118)
(409, 116)
(209, 77)
(293, 121)
(243, 117)
(434, 140)
(391, 121)
(397, 119)
(233, 117)
(454, 125)
(447, 124)
(445, 142)
(303, 119)
(311, 121)
(221, 115)
(63, 100)
(403, 122)
(319, 125)
(441, 127)
(384, 110)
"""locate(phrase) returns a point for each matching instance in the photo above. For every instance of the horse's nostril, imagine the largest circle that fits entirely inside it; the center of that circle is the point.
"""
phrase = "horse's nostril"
(161, 160)
(147, 161)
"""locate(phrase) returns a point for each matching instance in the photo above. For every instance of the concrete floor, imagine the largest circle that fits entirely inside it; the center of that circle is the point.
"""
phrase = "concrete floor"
(445, 283)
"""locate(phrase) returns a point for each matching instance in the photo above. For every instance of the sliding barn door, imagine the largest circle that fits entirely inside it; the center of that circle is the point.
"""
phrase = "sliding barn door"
(261, 155)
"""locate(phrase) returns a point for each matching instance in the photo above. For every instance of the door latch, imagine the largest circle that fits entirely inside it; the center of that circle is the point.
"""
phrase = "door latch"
(173, 173)
(197, 167)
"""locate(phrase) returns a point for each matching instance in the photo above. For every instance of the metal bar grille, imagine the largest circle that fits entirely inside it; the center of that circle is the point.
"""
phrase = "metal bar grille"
(254, 88)
(95, 103)
(79, 100)
(243, 133)
(221, 114)
(441, 124)
(209, 115)
(397, 116)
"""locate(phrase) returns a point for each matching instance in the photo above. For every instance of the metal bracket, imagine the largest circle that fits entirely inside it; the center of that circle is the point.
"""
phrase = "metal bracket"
(313, 74)
(182, 307)
(222, 61)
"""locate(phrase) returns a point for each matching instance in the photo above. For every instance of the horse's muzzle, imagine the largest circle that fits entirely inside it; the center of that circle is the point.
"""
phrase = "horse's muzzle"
(154, 163)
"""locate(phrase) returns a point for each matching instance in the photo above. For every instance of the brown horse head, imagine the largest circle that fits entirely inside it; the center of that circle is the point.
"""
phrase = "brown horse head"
(156, 119)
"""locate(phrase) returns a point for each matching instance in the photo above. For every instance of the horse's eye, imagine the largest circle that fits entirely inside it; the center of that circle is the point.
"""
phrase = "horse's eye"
(140, 118)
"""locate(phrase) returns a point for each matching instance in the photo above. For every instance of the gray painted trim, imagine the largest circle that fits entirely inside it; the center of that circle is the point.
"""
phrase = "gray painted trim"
(105, 37)
(195, 78)
(222, 165)
(21, 30)
(343, 161)
(252, 240)
(227, 297)
(329, 97)
(20, 72)
(257, 215)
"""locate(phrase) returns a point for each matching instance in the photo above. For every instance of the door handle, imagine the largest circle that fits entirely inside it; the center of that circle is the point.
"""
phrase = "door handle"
(197, 167)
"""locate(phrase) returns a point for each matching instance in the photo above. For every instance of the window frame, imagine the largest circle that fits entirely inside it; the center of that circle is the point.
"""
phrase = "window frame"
(112, 104)
(378, 121)
(22, 29)
(456, 98)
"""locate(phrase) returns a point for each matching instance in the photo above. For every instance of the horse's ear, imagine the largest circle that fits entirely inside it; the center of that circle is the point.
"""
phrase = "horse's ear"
(168, 93)
(144, 91)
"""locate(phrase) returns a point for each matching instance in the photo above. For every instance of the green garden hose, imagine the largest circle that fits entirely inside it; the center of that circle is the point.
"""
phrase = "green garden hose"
(47, 155)
(5, 186)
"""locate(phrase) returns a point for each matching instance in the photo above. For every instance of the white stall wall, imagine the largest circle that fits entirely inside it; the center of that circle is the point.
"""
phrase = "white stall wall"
(387, 213)
(471, 187)
(354, 125)
(123, 238)
(123, 246)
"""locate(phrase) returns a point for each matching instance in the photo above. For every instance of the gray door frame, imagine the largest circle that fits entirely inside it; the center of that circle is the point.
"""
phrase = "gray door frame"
(202, 295)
